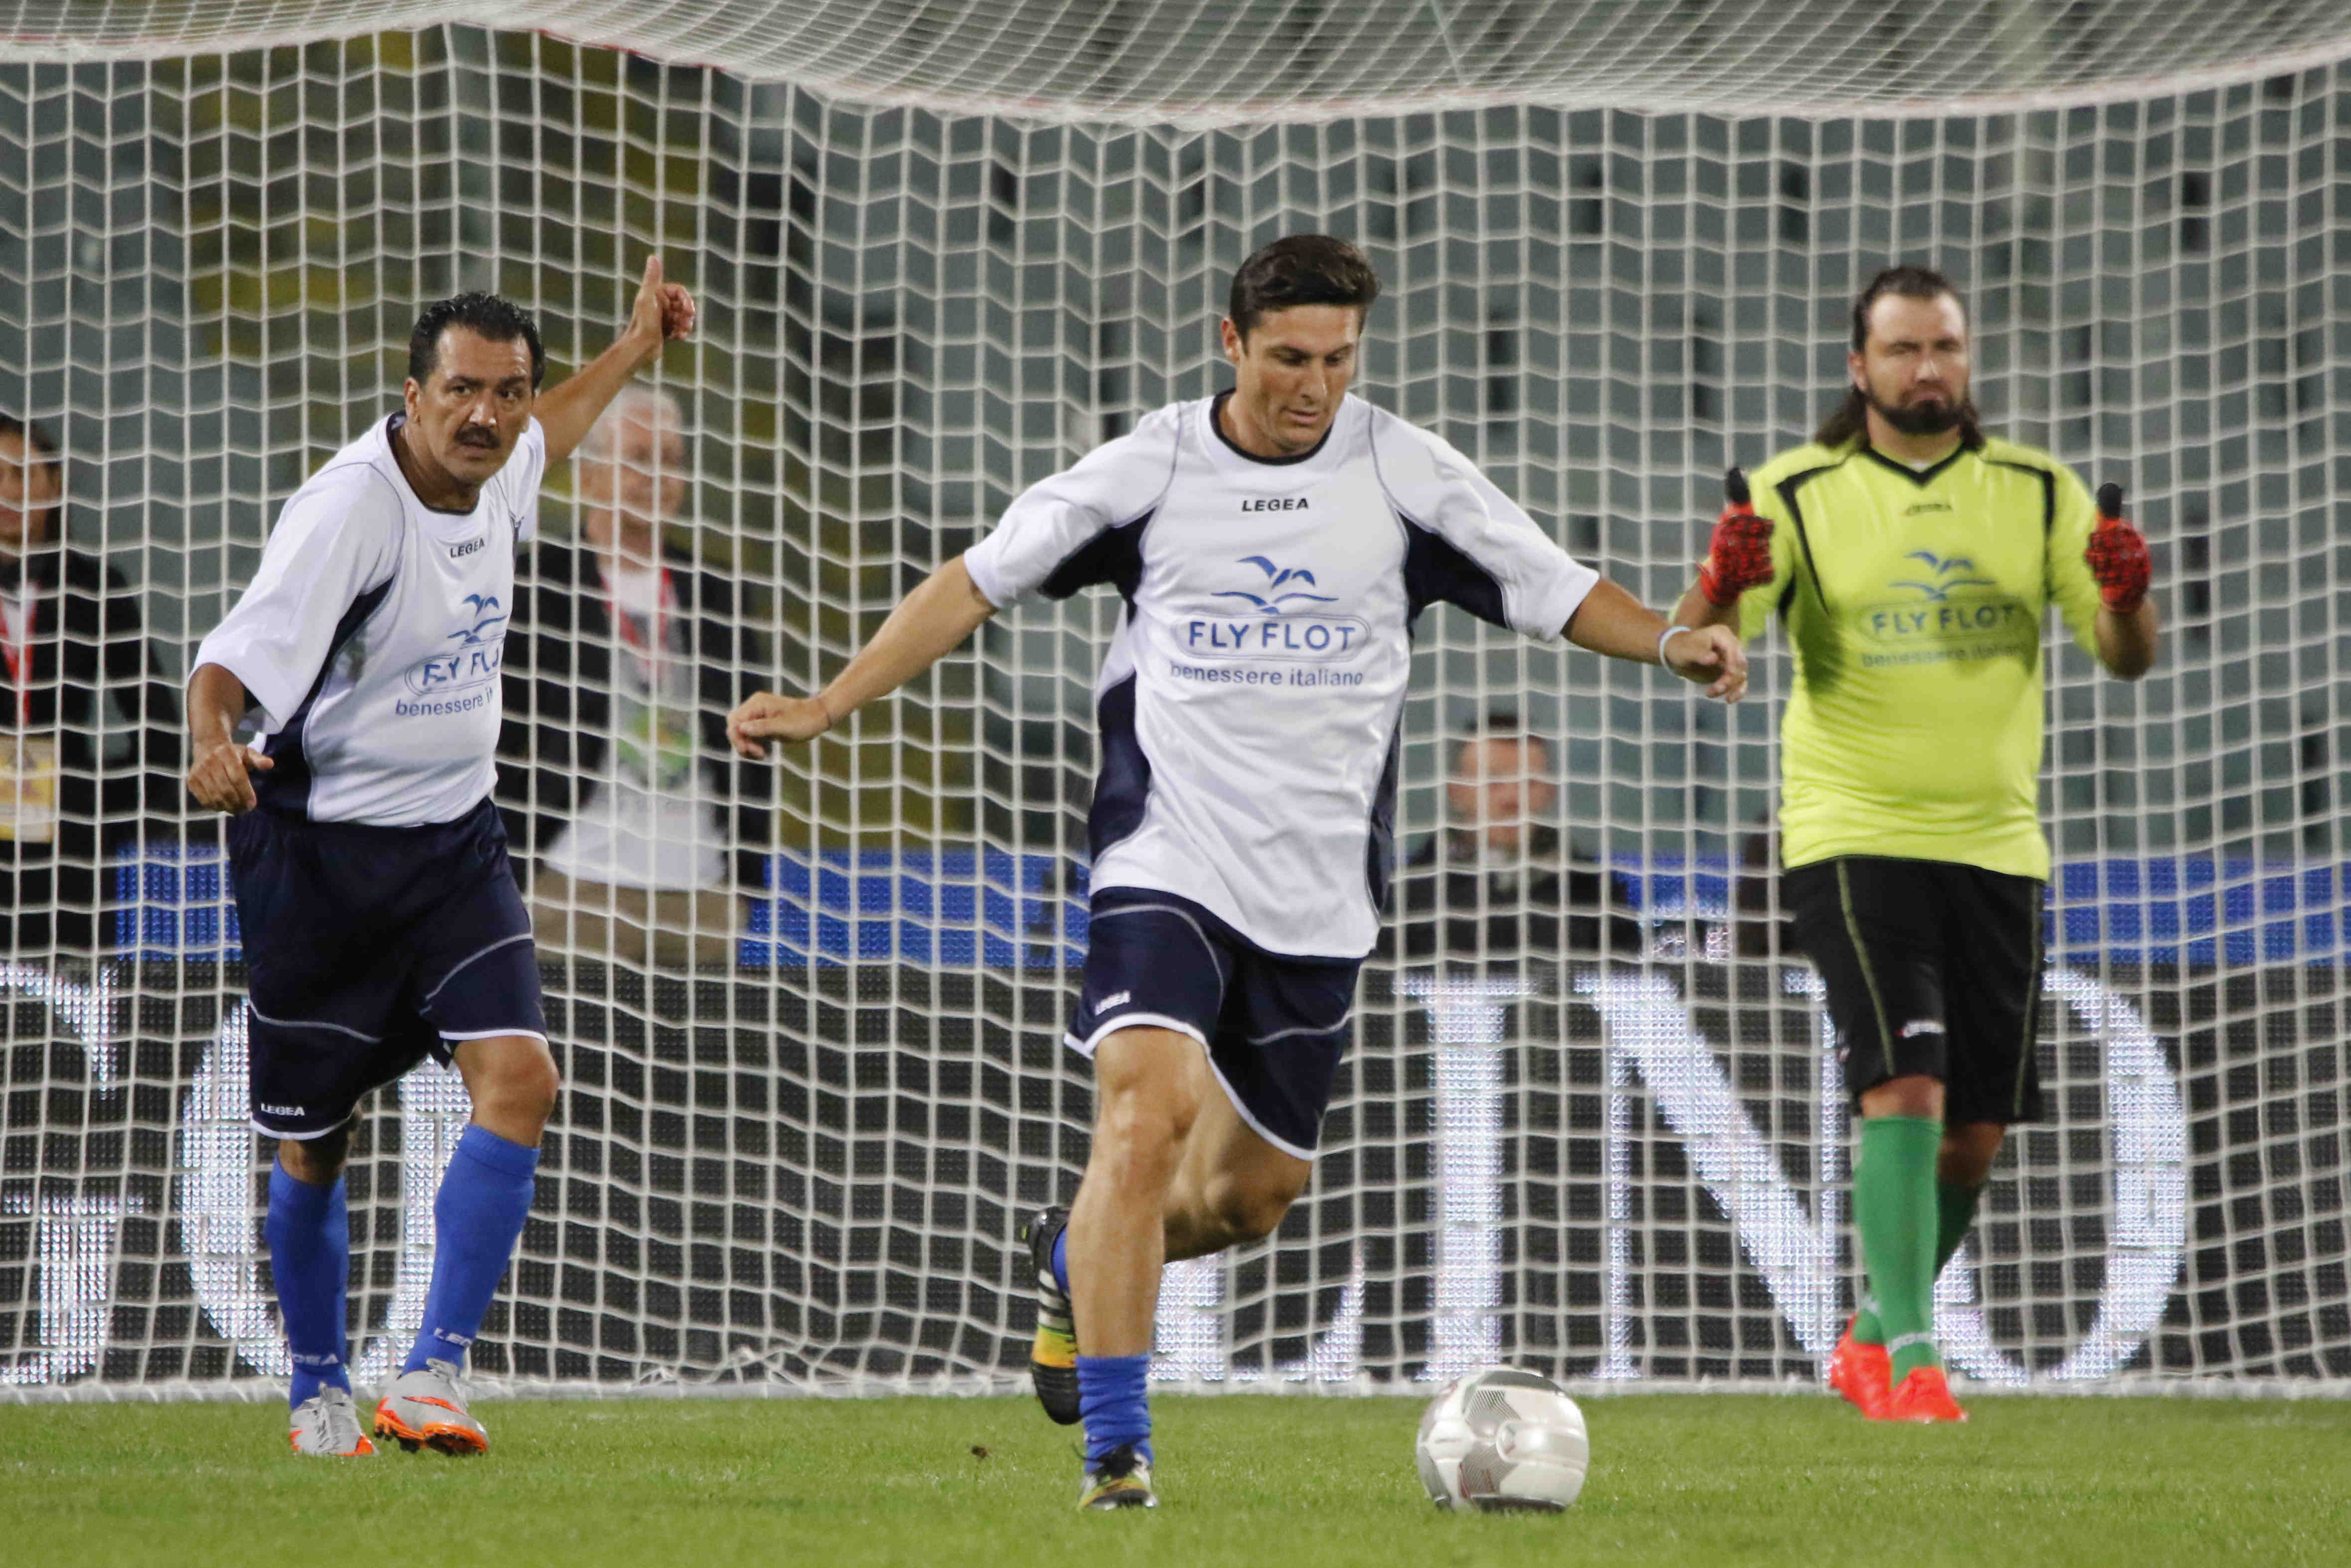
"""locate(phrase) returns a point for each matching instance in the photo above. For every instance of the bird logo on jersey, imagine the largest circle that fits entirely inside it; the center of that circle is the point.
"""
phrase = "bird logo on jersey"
(481, 648)
(1276, 576)
(482, 603)
(1941, 589)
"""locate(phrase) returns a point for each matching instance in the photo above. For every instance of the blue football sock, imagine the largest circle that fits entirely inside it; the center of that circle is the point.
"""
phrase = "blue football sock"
(1114, 1397)
(477, 1220)
(1061, 1259)
(310, 1236)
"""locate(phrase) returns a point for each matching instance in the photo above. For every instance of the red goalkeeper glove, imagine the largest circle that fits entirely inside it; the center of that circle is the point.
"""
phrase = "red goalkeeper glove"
(2117, 555)
(1739, 555)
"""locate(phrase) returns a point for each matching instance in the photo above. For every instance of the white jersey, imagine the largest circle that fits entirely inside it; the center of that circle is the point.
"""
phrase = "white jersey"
(1250, 702)
(372, 637)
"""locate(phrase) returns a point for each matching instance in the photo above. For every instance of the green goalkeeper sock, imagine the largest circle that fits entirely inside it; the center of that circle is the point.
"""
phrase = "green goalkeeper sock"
(1895, 1209)
(1955, 1210)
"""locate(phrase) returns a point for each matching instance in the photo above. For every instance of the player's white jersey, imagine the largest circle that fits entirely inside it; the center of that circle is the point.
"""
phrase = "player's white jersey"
(372, 637)
(1249, 702)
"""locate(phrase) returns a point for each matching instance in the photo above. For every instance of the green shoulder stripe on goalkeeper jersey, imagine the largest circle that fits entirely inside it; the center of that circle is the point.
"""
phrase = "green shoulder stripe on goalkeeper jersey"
(1914, 601)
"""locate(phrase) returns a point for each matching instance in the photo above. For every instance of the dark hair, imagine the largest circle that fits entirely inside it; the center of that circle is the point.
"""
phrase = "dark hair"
(499, 320)
(40, 452)
(1850, 419)
(1302, 269)
(1495, 724)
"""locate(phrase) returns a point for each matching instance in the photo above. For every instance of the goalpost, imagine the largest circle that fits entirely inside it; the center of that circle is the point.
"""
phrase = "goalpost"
(941, 251)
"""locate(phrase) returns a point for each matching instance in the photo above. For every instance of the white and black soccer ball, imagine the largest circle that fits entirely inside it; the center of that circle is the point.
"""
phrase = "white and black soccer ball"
(1502, 1440)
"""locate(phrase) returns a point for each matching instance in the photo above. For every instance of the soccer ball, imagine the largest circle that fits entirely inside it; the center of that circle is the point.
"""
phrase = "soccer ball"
(1501, 1440)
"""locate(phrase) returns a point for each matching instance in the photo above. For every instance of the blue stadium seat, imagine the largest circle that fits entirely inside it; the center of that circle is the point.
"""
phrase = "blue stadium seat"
(962, 908)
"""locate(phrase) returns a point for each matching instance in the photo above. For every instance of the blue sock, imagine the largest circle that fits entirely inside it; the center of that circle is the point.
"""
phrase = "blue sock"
(310, 1236)
(477, 1219)
(1061, 1259)
(1114, 1397)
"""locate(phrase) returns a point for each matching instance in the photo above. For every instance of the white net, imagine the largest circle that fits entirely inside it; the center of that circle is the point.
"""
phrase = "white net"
(795, 1152)
(1216, 62)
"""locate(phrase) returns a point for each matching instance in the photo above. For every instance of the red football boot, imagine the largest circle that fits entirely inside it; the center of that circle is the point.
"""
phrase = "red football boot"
(1864, 1373)
(1923, 1396)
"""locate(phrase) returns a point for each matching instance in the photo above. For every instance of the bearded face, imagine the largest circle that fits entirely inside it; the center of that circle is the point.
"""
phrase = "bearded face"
(1912, 368)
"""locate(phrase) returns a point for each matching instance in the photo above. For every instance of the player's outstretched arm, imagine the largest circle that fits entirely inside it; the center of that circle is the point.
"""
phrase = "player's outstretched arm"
(1612, 621)
(928, 625)
(216, 700)
(663, 313)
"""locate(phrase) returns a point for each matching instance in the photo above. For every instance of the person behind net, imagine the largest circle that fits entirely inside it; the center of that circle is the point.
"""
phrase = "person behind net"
(1912, 558)
(89, 749)
(379, 916)
(1274, 545)
(623, 661)
(1497, 883)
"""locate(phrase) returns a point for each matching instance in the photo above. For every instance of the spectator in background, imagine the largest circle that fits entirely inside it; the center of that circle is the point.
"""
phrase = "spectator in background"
(622, 661)
(1497, 881)
(89, 729)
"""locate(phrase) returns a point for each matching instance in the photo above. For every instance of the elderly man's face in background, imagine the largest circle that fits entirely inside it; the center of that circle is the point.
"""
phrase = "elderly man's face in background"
(1500, 786)
(642, 480)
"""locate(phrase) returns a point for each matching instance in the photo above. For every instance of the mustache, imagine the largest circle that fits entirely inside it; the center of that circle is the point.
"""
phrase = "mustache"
(474, 436)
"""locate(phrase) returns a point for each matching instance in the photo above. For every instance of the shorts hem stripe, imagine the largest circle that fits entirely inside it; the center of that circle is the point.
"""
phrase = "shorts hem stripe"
(1344, 1019)
(1085, 1046)
(312, 1023)
(470, 959)
(498, 1034)
(1259, 1128)
(269, 1131)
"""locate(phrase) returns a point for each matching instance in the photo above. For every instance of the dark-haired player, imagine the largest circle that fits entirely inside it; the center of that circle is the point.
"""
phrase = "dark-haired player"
(381, 923)
(1914, 560)
(1274, 546)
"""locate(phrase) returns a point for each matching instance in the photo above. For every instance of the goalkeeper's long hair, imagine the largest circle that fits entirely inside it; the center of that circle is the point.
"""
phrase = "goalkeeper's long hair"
(1849, 421)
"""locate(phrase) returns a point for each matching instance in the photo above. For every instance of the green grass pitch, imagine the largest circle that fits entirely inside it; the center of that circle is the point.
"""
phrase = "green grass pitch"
(1262, 1482)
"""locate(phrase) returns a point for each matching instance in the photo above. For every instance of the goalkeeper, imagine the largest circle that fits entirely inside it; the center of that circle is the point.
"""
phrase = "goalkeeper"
(1273, 545)
(1913, 559)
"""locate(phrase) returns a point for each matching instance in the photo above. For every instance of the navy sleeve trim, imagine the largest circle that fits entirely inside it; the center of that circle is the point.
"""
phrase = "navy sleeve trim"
(2048, 489)
(1436, 569)
(1788, 488)
(285, 788)
(1123, 787)
(1113, 556)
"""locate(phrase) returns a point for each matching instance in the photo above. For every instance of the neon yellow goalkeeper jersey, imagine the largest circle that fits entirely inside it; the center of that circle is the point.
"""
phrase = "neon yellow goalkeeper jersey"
(1915, 600)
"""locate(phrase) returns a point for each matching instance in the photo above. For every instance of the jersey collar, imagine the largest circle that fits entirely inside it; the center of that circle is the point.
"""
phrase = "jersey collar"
(1216, 425)
(1922, 477)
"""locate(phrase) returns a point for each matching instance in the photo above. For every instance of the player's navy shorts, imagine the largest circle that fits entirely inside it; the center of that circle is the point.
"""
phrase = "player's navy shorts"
(368, 949)
(1931, 968)
(1274, 1026)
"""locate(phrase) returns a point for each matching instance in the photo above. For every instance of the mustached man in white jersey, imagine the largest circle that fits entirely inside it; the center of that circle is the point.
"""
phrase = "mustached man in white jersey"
(1273, 545)
(381, 920)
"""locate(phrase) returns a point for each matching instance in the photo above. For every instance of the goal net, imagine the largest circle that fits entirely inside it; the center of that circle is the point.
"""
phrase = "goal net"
(941, 252)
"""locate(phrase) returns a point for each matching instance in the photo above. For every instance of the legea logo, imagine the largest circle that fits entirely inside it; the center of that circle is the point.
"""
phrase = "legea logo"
(480, 651)
(1276, 627)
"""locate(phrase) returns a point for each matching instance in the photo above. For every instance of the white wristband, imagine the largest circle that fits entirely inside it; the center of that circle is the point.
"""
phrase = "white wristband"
(1662, 640)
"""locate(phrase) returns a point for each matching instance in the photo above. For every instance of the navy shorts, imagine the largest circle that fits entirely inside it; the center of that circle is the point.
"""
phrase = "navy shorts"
(1274, 1026)
(368, 949)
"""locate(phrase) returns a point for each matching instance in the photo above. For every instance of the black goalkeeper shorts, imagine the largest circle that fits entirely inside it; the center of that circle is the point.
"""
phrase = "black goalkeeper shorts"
(1933, 969)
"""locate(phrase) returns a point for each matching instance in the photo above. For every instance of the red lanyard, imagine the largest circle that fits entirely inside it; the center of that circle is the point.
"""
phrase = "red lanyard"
(17, 648)
(648, 645)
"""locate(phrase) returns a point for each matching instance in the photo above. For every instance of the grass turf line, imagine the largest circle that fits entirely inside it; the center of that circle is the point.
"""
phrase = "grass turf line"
(1300, 1482)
